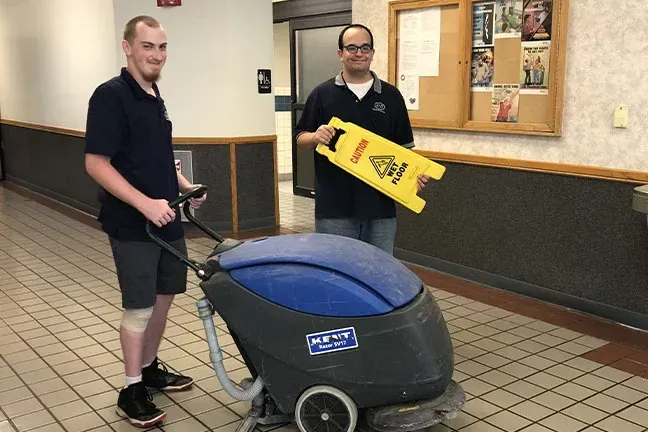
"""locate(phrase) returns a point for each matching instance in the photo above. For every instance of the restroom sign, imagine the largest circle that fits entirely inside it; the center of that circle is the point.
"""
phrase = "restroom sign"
(169, 3)
(264, 81)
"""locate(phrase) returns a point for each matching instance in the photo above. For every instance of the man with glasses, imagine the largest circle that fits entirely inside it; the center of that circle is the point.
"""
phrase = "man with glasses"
(345, 205)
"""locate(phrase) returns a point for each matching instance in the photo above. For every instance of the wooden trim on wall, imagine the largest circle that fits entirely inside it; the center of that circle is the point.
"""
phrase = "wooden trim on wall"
(44, 128)
(233, 181)
(225, 140)
(538, 166)
(254, 139)
(602, 173)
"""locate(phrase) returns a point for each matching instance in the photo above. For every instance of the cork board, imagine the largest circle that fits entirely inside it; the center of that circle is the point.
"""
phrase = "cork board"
(501, 64)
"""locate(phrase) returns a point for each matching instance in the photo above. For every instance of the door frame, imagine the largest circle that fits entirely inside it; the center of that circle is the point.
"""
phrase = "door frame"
(3, 171)
(307, 23)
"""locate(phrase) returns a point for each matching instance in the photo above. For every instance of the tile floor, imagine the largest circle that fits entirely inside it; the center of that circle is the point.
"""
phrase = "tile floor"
(60, 362)
(295, 212)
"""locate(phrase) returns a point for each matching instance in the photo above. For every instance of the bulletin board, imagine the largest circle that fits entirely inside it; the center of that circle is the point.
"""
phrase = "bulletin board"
(475, 65)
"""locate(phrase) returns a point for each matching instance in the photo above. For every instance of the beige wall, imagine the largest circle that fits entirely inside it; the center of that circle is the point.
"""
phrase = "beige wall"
(281, 71)
(210, 79)
(605, 68)
(54, 53)
(52, 56)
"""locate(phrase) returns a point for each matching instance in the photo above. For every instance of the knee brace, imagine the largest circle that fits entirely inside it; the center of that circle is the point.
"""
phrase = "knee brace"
(136, 320)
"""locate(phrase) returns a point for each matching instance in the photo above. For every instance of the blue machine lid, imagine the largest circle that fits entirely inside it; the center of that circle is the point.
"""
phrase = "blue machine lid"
(379, 271)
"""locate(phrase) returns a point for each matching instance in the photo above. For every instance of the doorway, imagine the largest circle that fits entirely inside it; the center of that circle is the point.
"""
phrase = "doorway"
(314, 59)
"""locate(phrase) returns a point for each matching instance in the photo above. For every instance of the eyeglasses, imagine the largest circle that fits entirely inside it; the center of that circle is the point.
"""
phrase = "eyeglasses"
(366, 48)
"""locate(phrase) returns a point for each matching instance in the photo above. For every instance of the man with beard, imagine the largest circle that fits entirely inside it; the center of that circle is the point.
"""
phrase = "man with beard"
(129, 154)
(345, 205)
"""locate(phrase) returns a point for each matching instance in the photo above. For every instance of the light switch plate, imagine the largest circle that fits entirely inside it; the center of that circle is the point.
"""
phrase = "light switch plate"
(621, 117)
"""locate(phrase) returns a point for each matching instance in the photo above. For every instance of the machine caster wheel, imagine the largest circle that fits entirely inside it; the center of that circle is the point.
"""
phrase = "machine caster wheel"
(325, 409)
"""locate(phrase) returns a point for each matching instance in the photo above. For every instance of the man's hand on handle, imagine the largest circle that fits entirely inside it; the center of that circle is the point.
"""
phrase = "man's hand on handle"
(158, 212)
(196, 202)
(323, 135)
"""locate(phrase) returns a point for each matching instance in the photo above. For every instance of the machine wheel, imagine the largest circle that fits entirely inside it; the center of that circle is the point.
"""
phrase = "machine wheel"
(325, 409)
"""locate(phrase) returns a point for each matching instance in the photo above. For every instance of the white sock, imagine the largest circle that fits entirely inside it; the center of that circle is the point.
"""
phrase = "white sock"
(146, 365)
(133, 380)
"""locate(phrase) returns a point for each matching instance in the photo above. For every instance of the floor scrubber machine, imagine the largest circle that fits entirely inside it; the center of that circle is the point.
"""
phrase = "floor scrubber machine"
(336, 334)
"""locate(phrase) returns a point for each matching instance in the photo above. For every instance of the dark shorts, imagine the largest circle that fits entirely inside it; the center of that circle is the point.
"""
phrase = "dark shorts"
(145, 270)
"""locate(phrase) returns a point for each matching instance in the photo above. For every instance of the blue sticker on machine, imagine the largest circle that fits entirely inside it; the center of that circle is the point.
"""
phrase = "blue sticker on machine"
(332, 340)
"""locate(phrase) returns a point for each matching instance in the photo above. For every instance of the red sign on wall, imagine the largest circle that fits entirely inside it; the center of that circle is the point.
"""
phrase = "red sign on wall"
(169, 3)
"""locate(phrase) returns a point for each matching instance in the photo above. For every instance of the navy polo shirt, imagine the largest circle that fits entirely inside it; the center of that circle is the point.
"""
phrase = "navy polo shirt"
(382, 111)
(132, 128)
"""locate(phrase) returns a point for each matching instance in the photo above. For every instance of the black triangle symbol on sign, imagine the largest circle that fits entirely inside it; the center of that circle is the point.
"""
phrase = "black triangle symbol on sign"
(381, 164)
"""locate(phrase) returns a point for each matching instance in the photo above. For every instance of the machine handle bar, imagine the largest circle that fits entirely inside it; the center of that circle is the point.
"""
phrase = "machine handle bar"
(200, 270)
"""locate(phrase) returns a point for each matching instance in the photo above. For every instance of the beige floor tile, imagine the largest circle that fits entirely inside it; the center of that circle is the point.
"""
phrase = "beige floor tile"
(497, 378)
(524, 389)
(472, 368)
(218, 417)
(14, 395)
(481, 426)
(187, 425)
(553, 400)
(637, 383)
(22, 407)
(616, 424)
(502, 398)
(10, 382)
(480, 408)
(545, 380)
(83, 422)
(33, 420)
(536, 428)
(462, 420)
(594, 382)
(201, 404)
(531, 410)
(612, 374)
(574, 391)
(585, 413)
(626, 394)
(635, 415)
(562, 423)
(537, 362)
(606, 403)
(52, 427)
(5, 426)
(102, 400)
(46, 387)
(508, 421)
(492, 360)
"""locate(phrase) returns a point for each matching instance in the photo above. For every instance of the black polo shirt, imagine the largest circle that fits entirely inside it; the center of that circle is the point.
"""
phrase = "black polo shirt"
(132, 128)
(382, 111)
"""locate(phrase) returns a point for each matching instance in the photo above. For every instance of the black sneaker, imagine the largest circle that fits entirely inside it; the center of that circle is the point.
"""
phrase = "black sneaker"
(157, 376)
(135, 404)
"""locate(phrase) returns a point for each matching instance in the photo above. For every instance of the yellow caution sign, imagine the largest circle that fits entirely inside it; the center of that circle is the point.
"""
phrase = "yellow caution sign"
(384, 165)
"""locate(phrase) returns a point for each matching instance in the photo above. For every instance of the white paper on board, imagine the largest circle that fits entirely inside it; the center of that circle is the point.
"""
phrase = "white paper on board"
(419, 42)
(409, 88)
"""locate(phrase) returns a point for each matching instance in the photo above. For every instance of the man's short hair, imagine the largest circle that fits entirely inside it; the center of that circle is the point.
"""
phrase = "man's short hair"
(341, 37)
(130, 30)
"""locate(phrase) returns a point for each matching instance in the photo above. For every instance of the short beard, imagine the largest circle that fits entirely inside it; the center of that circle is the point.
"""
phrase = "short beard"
(152, 78)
